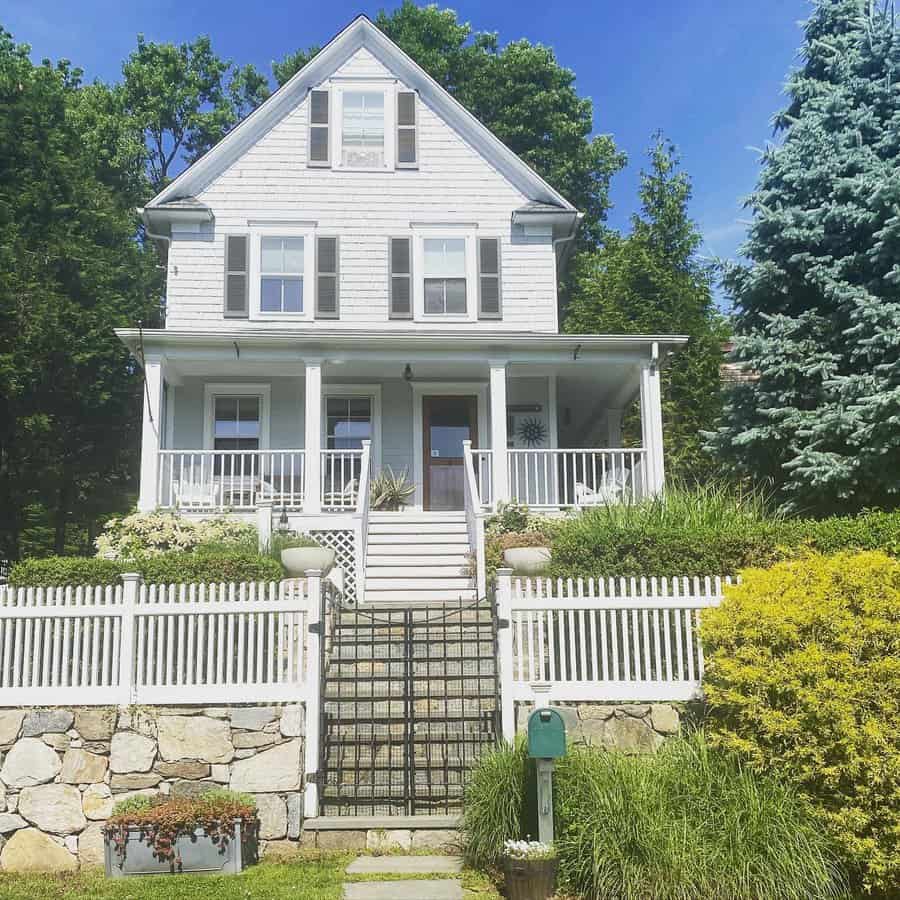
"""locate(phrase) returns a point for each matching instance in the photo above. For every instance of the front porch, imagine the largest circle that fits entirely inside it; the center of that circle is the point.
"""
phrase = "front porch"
(232, 425)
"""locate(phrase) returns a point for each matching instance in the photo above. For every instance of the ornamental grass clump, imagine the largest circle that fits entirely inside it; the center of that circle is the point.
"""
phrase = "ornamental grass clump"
(686, 823)
(162, 821)
(803, 680)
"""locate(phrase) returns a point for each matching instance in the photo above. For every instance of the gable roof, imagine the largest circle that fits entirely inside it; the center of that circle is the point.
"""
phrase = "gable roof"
(361, 32)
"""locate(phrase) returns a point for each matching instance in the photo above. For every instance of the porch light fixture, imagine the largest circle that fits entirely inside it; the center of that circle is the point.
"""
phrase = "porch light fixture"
(408, 372)
(283, 520)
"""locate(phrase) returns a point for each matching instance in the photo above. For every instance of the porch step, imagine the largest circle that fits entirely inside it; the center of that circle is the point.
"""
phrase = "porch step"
(413, 537)
(446, 527)
(428, 550)
(438, 569)
(428, 561)
(413, 597)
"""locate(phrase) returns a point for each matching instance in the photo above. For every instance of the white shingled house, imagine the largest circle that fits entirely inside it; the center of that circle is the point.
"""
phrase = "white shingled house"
(360, 276)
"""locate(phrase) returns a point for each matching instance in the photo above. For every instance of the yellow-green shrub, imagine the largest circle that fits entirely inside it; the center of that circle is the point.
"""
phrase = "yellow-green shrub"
(803, 679)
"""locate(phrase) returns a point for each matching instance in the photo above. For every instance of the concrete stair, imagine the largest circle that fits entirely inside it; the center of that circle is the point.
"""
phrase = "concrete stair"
(418, 557)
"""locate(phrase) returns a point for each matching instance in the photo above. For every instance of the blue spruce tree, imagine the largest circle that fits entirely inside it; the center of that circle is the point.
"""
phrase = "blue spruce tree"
(818, 305)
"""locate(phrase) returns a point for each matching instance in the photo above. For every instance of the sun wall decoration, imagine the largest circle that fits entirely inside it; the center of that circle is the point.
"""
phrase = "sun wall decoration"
(532, 432)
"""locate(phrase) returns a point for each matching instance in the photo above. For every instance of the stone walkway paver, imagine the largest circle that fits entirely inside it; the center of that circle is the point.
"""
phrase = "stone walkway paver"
(409, 889)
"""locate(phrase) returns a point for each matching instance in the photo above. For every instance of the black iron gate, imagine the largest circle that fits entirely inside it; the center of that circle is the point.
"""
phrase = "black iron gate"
(409, 700)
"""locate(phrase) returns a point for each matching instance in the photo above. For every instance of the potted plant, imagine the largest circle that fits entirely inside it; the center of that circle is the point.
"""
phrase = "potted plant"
(216, 832)
(299, 553)
(529, 868)
(390, 491)
(526, 552)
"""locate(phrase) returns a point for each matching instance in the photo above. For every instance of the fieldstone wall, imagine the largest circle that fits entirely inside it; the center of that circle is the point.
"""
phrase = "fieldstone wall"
(63, 769)
(629, 727)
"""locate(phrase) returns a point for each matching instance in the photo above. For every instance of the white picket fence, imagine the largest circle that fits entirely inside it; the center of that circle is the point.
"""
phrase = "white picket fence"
(149, 643)
(607, 640)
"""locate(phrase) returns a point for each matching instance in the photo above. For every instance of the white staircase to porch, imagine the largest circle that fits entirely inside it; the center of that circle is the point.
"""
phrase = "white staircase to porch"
(418, 556)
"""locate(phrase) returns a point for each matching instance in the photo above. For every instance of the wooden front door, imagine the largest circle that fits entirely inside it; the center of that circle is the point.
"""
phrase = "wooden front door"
(447, 422)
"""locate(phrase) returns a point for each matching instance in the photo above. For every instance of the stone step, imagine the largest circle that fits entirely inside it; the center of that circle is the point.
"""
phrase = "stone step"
(414, 889)
(405, 865)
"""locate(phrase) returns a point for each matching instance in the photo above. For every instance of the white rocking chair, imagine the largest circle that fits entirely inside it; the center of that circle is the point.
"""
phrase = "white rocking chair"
(191, 494)
(343, 499)
(610, 492)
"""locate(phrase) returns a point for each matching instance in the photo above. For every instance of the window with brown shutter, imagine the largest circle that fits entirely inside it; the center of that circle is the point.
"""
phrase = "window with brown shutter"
(327, 277)
(400, 254)
(236, 278)
(489, 278)
(319, 149)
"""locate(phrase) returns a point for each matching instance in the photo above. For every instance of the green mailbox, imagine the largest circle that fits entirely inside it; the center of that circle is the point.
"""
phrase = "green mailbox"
(546, 734)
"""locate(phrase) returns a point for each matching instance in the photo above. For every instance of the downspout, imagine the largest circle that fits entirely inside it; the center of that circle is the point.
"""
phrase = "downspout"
(166, 239)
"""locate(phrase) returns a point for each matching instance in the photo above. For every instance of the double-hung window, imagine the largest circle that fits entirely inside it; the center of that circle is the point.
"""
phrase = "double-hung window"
(237, 423)
(281, 275)
(445, 276)
(362, 130)
(348, 422)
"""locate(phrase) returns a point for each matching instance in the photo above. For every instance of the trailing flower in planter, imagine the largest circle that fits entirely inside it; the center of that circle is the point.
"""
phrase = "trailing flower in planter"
(225, 822)
(529, 868)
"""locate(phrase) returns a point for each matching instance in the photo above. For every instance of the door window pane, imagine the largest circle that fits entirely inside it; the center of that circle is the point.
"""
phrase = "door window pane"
(348, 422)
(450, 423)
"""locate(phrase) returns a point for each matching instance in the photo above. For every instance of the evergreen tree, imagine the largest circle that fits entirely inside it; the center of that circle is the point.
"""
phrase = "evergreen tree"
(818, 305)
(652, 282)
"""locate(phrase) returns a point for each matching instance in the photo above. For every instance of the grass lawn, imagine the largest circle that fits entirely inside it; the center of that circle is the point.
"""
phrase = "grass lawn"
(308, 877)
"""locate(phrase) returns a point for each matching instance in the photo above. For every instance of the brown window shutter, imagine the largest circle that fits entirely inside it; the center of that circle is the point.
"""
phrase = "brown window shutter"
(319, 149)
(327, 278)
(407, 130)
(489, 278)
(401, 278)
(236, 276)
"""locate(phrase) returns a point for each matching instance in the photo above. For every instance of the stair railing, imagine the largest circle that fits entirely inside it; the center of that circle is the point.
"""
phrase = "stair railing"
(474, 519)
(363, 501)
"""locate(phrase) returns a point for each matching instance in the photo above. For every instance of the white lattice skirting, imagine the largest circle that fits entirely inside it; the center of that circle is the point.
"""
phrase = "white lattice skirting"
(344, 545)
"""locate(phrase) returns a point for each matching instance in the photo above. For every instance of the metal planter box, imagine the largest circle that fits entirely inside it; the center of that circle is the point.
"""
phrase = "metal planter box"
(197, 853)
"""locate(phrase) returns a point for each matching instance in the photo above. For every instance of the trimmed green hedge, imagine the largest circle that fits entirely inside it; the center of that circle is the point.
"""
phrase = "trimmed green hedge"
(174, 567)
(598, 543)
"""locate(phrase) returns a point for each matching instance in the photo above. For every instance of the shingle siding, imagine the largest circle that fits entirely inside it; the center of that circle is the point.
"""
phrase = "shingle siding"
(272, 181)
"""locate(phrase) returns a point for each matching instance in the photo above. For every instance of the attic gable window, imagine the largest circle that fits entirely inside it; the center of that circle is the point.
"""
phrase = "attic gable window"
(362, 130)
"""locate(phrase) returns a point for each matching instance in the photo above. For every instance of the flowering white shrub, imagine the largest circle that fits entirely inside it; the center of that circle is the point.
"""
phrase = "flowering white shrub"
(149, 534)
(528, 850)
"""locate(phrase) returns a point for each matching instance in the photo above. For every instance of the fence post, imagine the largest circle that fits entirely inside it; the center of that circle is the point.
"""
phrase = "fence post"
(315, 647)
(264, 523)
(131, 584)
(505, 653)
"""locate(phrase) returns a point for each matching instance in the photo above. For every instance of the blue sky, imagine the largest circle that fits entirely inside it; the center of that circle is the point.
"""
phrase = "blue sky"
(709, 73)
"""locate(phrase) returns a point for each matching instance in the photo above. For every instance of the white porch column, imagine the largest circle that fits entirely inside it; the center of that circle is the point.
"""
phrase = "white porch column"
(614, 427)
(651, 423)
(312, 445)
(499, 457)
(151, 437)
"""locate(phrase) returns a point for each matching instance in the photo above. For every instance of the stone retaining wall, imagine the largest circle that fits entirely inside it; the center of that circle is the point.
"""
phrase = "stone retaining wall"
(629, 727)
(64, 768)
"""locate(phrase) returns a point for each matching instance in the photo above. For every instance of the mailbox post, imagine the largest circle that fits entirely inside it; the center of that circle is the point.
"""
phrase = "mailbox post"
(546, 743)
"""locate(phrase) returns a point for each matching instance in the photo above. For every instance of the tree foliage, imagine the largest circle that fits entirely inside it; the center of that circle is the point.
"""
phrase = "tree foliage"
(818, 304)
(70, 272)
(652, 281)
(520, 92)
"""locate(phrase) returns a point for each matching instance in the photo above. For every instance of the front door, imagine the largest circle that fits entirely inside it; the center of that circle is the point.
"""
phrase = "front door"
(448, 421)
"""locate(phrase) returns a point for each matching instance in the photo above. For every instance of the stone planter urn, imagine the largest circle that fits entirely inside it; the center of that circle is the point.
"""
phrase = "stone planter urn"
(529, 879)
(129, 854)
(299, 560)
(527, 560)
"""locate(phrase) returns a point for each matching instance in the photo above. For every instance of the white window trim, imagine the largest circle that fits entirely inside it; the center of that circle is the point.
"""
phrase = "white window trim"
(370, 391)
(470, 234)
(389, 89)
(211, 391)
(308, 233)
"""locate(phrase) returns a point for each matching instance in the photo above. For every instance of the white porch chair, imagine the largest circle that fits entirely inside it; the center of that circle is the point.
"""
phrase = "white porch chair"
(344, 498)
(192, 493)
(610, 492)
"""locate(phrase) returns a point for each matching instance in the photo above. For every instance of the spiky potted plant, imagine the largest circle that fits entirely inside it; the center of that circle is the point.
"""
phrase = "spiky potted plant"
(391, 490)
(529, 869)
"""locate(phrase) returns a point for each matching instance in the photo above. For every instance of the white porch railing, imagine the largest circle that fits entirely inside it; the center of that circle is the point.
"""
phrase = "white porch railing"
(363, 502)
(559, 477)
(340, 477)
(474, 517)
(600, 640)
(219, 480)
(178, 643)
(484, 481)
